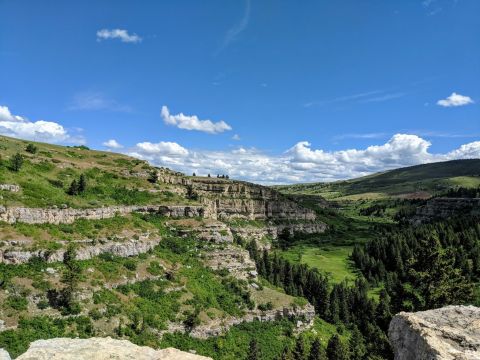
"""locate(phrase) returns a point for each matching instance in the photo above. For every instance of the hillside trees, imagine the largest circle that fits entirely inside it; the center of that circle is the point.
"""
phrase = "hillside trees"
(16, 162)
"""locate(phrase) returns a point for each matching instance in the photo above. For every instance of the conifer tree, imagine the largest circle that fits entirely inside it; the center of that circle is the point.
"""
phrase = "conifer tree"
(316, 351)
(299, 352)
(358, 349)
(16, 162)
(336, 350)
(82, 184)
(253, 351)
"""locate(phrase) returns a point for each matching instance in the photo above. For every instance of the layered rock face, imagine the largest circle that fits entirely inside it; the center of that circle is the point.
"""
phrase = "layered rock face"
(442, 208)
(449, 333)
(224, 199)
(100, 349)
(67, 216)
(87, 249)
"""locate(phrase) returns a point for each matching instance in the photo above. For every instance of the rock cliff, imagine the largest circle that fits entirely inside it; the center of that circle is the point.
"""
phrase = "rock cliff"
(442, 208)
(449, 333)
(99, 349)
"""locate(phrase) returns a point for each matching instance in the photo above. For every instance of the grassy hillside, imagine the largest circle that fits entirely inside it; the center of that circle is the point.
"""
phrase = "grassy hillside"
(415, 181)
(48, 170)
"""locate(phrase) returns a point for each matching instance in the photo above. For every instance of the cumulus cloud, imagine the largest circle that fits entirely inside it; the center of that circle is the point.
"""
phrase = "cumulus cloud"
(121, 34)
(455, 100)
(112, 144)
(192, 122)
(300, 163)
(41, 130)
(236, 137)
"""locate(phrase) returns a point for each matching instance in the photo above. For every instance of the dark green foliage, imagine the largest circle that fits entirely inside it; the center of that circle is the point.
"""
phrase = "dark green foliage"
(358, 349)
(317, 352)
(336, 349)
(299, 352)
(73, 188)
(31, 148)
(253, 351)
(17, 302)
(153, 177)
(16, 162)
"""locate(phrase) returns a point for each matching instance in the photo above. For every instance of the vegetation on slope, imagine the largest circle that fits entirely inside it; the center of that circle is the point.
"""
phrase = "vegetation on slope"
(46, 176)
(415, 181)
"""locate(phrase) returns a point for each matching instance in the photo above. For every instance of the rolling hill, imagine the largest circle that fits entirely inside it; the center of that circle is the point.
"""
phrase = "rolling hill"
(414, 181)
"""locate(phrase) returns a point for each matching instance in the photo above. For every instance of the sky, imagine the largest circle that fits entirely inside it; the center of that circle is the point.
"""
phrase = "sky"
(270, 91)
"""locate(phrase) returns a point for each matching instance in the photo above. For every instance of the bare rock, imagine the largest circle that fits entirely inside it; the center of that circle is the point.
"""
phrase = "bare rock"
(100, 349)
(4, 355)
(449, 333)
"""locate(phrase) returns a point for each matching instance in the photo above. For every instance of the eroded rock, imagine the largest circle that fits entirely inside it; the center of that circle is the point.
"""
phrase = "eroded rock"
(100, 349)
(449, 333)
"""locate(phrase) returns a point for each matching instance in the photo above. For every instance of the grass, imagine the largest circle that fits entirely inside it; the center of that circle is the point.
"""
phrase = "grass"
(329, 259)
(46, 175)
(428, 178)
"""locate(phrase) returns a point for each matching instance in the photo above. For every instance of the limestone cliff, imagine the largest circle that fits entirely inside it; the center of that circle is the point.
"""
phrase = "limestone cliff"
(449, 333)
(442, 208)
(99, 349)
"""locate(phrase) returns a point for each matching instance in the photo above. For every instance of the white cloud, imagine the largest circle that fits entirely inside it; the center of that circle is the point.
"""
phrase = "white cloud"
(300, 163)
(455, 100)
(193, 122)
(236, 137)
(122, 35)
(112, 144)
(41, 130)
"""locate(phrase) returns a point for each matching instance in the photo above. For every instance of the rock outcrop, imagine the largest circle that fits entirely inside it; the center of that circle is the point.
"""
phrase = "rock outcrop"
(67, 216)
(449, 333)
(442, 208)
(10, 187)
(100, 349)
(87, 249)
(4, 355)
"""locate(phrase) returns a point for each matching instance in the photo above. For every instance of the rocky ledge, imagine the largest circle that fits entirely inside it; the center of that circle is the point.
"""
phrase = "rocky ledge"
(449, 333)
(98, 349)
(442, 208)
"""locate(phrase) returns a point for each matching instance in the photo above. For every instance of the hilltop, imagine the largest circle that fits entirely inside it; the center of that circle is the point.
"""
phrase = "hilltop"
(414, 182)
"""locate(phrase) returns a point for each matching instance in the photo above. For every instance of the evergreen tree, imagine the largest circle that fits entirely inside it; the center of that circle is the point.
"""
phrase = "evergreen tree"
(73, 188)
(16, 162)
(70, 278)
(82, 184)
(358, 349)
(253, 351)
(336, 350)
(383, 314)
(286, 354)
(316, 351)
(299, 352)
(433, 280)
(32, 149)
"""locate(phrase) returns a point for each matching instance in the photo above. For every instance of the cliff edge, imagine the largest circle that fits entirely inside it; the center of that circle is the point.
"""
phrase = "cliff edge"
(448, 333)
(98, 349)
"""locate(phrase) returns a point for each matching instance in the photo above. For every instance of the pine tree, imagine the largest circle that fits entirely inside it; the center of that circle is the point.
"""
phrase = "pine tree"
(316, 351)
(358, 349)
(383, 314)
(73, 188)
(253, 351)
(16, 162)
(70, 278)
(32, 149)
(299, 352)
(336, 350)
(82, 184)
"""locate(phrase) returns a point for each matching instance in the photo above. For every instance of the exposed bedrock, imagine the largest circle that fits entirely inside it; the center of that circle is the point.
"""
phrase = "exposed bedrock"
(442, 208)
(100, 349)
(448, 333)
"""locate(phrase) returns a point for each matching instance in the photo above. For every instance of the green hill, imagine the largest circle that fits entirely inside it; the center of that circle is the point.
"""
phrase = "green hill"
(414, 181)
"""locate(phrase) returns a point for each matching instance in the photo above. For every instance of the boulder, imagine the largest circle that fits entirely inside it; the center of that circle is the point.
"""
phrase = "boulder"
(100, 349)
(449, 333)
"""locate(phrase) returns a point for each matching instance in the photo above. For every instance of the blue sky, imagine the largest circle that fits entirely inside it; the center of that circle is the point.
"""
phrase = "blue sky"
(293, 91)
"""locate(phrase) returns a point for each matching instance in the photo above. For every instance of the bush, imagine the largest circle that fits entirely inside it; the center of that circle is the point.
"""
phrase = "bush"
(16, 162)
(32, 149)
(17, 302)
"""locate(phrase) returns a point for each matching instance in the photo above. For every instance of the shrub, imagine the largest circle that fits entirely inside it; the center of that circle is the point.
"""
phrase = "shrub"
(32, 149)
(16, 162)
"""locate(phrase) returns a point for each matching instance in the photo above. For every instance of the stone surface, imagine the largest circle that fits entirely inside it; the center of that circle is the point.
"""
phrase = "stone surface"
(4, 355)
(442, 208)
(67, 216)
(10, 187)
(449, 333)
(100, 349)
(87, 249)
(234, 259)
